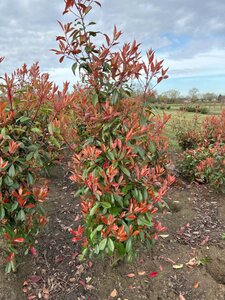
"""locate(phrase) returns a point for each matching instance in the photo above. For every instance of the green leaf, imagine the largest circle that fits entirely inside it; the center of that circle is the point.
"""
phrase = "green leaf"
(142, 221)
(29, 156)
(127, 188)
(128, 245)
(111, 245)
(97, 249)
(2, 212)
(8, 267)
(102, 244)
(119, 199)
(50, 128)
(94, 99)
(125, 171)
(85, 173)
(99, 228)
(23, 119)
(3, 132)
(110, 155)
(152, 147)
(91, 23)
(115, 97)
(121, 249)
(74, 67)
(11, 171)
(8, 181)
(36, 130)
(14, 206)
(21, 215)
(54, 141)
(30, 179)
(106, 204)
(94, 208)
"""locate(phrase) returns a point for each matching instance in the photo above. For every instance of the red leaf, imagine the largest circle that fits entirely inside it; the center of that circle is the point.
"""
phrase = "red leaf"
(33, 251)
(131, 275)
(61, 59)
(159, 79)
(69, 3)
(19, 240)
(107, 39)
(153, 274)
(10, 257)
(181, 297)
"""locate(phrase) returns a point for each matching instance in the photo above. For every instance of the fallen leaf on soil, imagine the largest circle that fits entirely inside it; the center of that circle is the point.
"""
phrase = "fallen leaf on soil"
(153, 274)
(141, 273)
(77, 218)
(33, 251)
(205, 240)
(177, 267)
(114, 293)
(160, 268)
(80, 269)
(192, 262)
(89, 287)
(170, 260)
(88, 279)
(34, 278)
(181, 297)
(164, 236)
(74, 255)
(90, 264)
(82, 282)
(31, 297)
(59, 259)
(131, 275)
(196, 285)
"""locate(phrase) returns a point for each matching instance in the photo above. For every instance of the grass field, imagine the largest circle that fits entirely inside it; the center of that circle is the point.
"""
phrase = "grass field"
(176, 113)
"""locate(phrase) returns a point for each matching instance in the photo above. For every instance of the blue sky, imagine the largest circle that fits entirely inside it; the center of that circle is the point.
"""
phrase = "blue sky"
(189, 35)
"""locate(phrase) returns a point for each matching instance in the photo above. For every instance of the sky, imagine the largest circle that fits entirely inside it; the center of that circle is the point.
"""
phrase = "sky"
(188, 34)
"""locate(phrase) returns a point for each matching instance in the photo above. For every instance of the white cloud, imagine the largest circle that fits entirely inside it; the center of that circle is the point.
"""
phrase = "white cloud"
(189, 34)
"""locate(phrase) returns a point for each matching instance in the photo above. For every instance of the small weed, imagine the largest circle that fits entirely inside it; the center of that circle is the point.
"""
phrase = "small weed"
(205, 260)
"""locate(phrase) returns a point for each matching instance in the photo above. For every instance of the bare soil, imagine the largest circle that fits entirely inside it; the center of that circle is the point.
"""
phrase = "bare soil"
(188, 260)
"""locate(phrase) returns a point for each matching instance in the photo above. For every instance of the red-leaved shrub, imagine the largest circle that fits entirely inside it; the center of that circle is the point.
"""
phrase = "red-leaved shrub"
(27, 148)
(120, 151)
(206, 162)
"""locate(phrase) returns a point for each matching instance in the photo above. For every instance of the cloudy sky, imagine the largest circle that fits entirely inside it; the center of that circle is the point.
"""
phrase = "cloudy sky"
(188, 34)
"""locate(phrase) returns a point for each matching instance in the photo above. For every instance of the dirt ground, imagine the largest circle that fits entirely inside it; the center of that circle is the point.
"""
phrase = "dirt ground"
(187, 262)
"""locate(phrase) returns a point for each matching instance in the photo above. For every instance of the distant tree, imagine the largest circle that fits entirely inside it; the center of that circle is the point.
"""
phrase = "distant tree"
(172, 95)
(193, 94)
(221, 99)
(208, 97)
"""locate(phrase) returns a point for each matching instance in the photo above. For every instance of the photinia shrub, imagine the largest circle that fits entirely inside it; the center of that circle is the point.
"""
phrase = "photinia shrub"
(27, 148)
(206, 162)
(188, 132)
(122, 180)
(120, 153)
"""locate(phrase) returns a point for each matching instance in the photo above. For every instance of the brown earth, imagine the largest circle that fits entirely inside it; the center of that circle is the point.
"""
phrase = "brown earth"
(188, 260)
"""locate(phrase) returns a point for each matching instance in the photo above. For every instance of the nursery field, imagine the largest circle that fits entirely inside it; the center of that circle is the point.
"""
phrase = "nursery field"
(186, 262)
(176, 114)
(212, 108)
(102, 196)
(188, 259)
